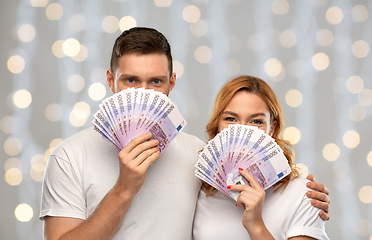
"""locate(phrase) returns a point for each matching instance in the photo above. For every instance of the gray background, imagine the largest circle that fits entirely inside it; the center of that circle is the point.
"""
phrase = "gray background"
(323, 117)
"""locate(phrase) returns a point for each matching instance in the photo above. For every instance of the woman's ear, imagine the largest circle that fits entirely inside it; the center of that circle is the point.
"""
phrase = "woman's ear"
(273, 125)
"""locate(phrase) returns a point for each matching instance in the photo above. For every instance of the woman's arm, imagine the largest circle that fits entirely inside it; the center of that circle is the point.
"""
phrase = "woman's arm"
(251, 199)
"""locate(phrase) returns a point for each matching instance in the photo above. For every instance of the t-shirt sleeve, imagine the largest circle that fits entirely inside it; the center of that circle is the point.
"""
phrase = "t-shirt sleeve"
(62, 190)
(306, 222)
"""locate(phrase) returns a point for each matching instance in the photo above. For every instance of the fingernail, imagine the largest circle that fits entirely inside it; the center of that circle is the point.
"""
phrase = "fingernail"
(241, 169)
(156, 141)
(228, 187)
(308, 185)
(149, 134)
(308, 194)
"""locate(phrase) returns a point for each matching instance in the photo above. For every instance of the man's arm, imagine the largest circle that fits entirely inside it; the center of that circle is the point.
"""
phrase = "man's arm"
(320, 197)
(134, 158)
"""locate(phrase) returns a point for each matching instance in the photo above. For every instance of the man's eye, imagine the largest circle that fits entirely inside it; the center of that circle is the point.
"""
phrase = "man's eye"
(156, 81)
(130, 80)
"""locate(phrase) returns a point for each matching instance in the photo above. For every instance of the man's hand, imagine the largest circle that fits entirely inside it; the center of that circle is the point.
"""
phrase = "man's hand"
(135, 158)
(320, 197)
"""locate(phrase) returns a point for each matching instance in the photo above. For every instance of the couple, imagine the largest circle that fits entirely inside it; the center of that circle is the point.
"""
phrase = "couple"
(93, 191)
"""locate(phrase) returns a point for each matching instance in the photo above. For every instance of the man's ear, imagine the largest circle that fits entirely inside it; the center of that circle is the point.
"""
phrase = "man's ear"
(172, 82)
(110, 80)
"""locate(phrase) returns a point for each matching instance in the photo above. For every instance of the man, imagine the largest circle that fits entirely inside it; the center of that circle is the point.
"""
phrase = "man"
(89, 194)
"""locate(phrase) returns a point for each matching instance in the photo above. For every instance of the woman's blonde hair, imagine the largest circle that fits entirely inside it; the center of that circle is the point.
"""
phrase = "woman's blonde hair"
(257, 86)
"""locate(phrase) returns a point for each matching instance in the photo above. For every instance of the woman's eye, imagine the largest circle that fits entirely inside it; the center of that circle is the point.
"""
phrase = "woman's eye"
(256, 121)
(230, 119)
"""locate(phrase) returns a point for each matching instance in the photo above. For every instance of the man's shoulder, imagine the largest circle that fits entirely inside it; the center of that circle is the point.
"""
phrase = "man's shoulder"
(81, 140)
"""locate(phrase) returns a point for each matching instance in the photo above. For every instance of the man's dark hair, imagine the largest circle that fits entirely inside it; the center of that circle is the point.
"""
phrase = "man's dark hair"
(140, 40)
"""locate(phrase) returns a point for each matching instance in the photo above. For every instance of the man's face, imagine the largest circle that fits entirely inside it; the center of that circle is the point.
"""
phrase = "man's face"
(149, 71)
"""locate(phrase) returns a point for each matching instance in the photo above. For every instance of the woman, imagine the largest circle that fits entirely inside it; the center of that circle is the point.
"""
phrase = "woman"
(283, 211)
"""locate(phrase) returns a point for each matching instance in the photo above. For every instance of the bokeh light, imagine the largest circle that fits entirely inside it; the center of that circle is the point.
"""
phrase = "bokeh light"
(256, 42)
(320, 61)
(293, 98)
(191, 14)
(38, 163)
(273, 67)
(55, 142)
(23, 212)
(53, 112)
(365, 97)
(110, 24)
(331, 152)
(354, 84)
(231, 67)
(39, 3)
(203, 54)
(280, 7)
(324, 37)
(26, 33)
(77, 23)
(292, 134)
(360, 13)
(97, 91)
(16, 64)
(178, 68)
(71, 47)
(287, 39)
(54, 11)
(365, 194)
(22, 98)
(13, 176)
(12, 163)
(75, 83)
(369, 158)
(334, 15)
(127, 22)
(8, 124)
(357, 112)
(12, 146)
(200, 28)
(82, 54)
(351, 139)
(360, 49)
(57, 49)
(304, 170)
(163, 3)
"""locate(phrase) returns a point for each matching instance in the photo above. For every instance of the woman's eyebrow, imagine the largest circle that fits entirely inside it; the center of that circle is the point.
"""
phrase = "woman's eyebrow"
(230, 113)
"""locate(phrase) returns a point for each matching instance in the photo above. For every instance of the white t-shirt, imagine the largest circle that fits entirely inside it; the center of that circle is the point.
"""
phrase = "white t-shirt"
(83, 168)
(285, 215)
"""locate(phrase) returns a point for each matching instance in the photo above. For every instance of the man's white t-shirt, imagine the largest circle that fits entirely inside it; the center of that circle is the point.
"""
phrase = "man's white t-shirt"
(285, 215)
(83, 168)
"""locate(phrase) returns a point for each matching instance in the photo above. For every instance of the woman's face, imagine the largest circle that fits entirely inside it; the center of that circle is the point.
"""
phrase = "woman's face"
(247, 109)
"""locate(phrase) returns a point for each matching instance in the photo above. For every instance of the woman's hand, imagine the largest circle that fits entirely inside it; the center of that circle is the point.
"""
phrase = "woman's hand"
(251, 199)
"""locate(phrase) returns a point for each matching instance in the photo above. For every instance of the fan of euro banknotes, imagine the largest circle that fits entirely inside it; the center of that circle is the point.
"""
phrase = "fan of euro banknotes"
(131, 112)
(241, 146)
